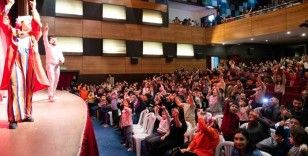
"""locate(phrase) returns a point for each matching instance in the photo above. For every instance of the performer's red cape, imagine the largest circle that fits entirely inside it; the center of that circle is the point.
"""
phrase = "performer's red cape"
(36, 76)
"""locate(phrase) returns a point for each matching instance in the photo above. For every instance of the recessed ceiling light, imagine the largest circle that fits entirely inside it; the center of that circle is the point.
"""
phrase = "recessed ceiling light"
(251, 39)
(223, 43)
(289, 32)
(303, 34)
(266, 40)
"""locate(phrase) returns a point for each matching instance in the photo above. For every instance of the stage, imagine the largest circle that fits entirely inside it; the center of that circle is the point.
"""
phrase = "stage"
(59, 128)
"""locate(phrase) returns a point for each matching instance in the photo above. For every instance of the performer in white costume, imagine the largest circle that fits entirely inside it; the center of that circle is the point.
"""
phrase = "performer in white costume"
(54, 58)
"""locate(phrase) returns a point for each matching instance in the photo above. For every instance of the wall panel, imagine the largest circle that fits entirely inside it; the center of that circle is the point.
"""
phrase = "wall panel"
(296, 15)
(68, 27)
(92, 29)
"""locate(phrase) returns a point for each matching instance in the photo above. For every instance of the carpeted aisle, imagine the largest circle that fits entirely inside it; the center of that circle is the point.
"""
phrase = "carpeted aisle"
(108, 141)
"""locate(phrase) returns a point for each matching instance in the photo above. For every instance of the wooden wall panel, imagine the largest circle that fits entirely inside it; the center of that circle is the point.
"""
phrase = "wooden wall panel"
(68, 27)
(113, 30)
(51, 24)
(269, 23)
(151, 65)
(95, 64)
(133, 32)
(296, 15)
(215, 34)
(168, 34)
(116, 2)
(182, 34)
(197, 35)
(93, 1)
(92, 29)
(238, 29)
(150, 33)
(132, 68)
(122, 65)
(73, 62)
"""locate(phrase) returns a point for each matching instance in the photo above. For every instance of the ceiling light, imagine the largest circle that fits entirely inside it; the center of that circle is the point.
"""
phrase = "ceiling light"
(223, 43)
(289, 32)
(303, 34)
(251, 39)
(266, 40)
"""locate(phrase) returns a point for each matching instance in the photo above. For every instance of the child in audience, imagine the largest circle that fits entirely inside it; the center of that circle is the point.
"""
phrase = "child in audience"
(243, 111)
(127, 124)
(230, 121)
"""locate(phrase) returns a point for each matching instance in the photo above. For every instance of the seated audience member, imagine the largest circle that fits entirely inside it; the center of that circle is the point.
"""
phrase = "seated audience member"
(127, 124)
(259, 94)
(161, 132)
(278, 144)
(299, 111)
(230, 121)
(299, 141)
(91, 102)
(175, 137)
(214, 98)
(189, 108)
(243, 111)
(83, 91)
(280, 82)
(270, 110)
(204, 142)
(257, 128)
(176, 20)
(243, 146)
(305, 98)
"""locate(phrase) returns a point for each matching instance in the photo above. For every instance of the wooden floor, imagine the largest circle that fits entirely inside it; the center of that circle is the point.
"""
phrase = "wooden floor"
(56, 131)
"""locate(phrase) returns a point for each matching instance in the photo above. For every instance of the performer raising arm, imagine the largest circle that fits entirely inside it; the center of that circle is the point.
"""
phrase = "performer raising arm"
(54, 58)
(23, 71)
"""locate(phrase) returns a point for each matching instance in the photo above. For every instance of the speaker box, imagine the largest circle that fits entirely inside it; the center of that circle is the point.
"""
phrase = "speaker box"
(198, 55)
(134, 60)
(169, 58)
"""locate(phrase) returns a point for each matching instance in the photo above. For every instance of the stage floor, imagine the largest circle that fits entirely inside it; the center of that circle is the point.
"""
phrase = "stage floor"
(57, 129)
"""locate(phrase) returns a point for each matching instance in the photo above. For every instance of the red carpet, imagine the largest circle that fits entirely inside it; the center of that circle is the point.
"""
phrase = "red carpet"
(60, 128)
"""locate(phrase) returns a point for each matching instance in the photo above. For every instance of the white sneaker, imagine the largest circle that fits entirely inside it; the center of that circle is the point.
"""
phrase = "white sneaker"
(129, 149)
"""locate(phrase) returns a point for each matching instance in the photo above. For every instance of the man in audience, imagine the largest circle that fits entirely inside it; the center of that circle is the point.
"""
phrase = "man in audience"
(270, 110)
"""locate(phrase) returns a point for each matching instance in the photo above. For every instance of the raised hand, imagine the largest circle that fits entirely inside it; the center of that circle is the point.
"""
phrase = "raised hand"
(32, 4)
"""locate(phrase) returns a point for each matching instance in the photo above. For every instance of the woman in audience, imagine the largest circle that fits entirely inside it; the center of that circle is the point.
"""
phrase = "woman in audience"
(175, 137)
(243, 145)
(205, 140)
(280, 82)
(105, 107)
(299, 140)
(214, 99)
(83, 91)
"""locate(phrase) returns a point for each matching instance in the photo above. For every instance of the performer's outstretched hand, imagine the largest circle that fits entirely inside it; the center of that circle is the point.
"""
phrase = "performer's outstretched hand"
(32, 4)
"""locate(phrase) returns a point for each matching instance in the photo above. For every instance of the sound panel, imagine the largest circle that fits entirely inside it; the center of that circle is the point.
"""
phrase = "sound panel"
(92, 47)
(169, 49)
(199, 51)
(133, 15)
(134, 48)
(134, 60)
(165, 16)
(169, 58)
(92, 11)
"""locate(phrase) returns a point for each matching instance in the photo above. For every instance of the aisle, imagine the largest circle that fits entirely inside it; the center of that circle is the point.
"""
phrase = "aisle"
(108, 141)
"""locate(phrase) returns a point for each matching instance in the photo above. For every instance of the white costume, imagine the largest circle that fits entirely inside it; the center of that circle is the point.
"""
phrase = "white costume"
(54, 57)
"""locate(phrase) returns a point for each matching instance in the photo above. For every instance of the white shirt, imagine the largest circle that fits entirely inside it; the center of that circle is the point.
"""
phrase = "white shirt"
(54, 54)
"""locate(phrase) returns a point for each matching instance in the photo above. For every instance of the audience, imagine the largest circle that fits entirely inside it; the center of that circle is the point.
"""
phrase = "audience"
(243, 145)
(228, 88)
